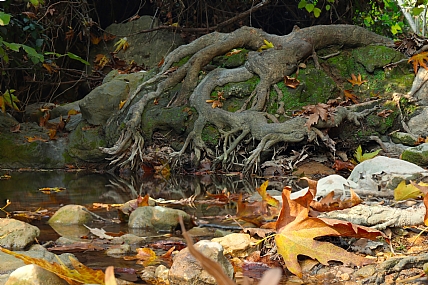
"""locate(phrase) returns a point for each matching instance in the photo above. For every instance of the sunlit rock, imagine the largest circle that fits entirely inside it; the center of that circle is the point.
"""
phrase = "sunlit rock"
(71, 215)
(16, 235)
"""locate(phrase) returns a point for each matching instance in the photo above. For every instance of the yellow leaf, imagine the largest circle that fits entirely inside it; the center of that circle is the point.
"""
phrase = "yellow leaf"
(265, 196)
(121, 104)
(2, 104)
(267, 45)
(80, 273)
(360, 157)
(404, 192)
(121, 44)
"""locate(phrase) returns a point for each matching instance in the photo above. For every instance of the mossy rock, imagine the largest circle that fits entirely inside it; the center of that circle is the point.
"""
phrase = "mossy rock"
(85, 141)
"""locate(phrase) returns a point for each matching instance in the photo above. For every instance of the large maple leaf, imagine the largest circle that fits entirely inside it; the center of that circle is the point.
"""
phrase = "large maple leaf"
(419, 60)
(296, 233)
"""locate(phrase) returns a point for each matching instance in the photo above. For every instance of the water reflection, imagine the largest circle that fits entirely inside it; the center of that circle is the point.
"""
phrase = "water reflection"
(85, 188)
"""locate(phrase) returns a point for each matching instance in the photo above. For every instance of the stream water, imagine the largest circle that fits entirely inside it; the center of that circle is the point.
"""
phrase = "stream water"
(84, 188)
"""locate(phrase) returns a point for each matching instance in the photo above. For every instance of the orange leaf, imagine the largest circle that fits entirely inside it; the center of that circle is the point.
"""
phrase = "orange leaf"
(35, 138)
(94, 39)
(296, 233)
(426, 210)
(291, 82)
(52, 134)
(254, 212)
(419, 60)
(351, 96)
(121, 104)
(356, 81)
(80, 274)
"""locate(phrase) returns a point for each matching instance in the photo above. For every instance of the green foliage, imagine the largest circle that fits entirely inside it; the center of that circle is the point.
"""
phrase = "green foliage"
(360, 157)
(8, 99)
(311, 6)
(382, 17)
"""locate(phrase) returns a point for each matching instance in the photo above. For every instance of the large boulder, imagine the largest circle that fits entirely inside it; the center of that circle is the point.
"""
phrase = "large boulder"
(17, 235)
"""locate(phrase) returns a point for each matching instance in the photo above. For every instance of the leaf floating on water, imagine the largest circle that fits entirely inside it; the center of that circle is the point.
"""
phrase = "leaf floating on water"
(49, 190)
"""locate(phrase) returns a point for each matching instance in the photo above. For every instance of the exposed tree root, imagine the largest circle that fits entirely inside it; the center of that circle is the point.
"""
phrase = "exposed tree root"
(270, 66)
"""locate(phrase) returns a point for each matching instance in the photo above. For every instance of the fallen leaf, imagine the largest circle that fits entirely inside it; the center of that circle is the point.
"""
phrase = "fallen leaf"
(360, 157)
(296, 233)
(404, 192)
(121, 44)
(419, 60)
(341, 165)
(35, 138)
(265, 196)
(101, 233)
(267, 45)
(422, 186)
(356, 81)
(80, 274)
(351, 96)
(329, 203)
(121, 104)
(49, 190)
(15, 129)
(385, 113)
(291, 82)
(233, 52)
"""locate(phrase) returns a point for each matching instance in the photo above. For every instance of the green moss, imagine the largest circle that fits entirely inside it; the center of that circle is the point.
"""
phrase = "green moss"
(232, 61)
(210, 135)
(182, 61)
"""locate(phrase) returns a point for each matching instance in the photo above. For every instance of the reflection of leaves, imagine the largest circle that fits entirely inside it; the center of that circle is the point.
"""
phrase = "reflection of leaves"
(48, 190)
(356, 80)
(360, 157)
(80, 274)
(419, 60)
(296, 233)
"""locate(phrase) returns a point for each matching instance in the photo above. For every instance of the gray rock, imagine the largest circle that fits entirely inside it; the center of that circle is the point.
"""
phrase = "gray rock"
(384, 172)
(186, 269)
(417, 155)
(85, 141)
(34, 275)
(15, 235)
(71, 214)
(144, 48)
(418, 124)
(9, 263)
(158, 218)
(118, 250)
(404, 138)
(103, 101)
(336, 183)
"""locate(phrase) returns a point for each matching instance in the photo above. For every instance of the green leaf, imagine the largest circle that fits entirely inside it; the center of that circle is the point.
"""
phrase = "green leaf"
(416, 11)
(4, 19)
(54, 53)
(10, 99)
(76, 57)
(317, 12)
(309, 7)
(33, 54)
(395, 29)
(4, 55)
(12, 46)
(360, 157)
(302, 4)
(327, 7)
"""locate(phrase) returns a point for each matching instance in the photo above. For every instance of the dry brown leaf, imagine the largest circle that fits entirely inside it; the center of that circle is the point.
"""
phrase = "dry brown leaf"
(296, 234)
(109, 276)
(291, 82)
(351, 96)
(356, 81)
